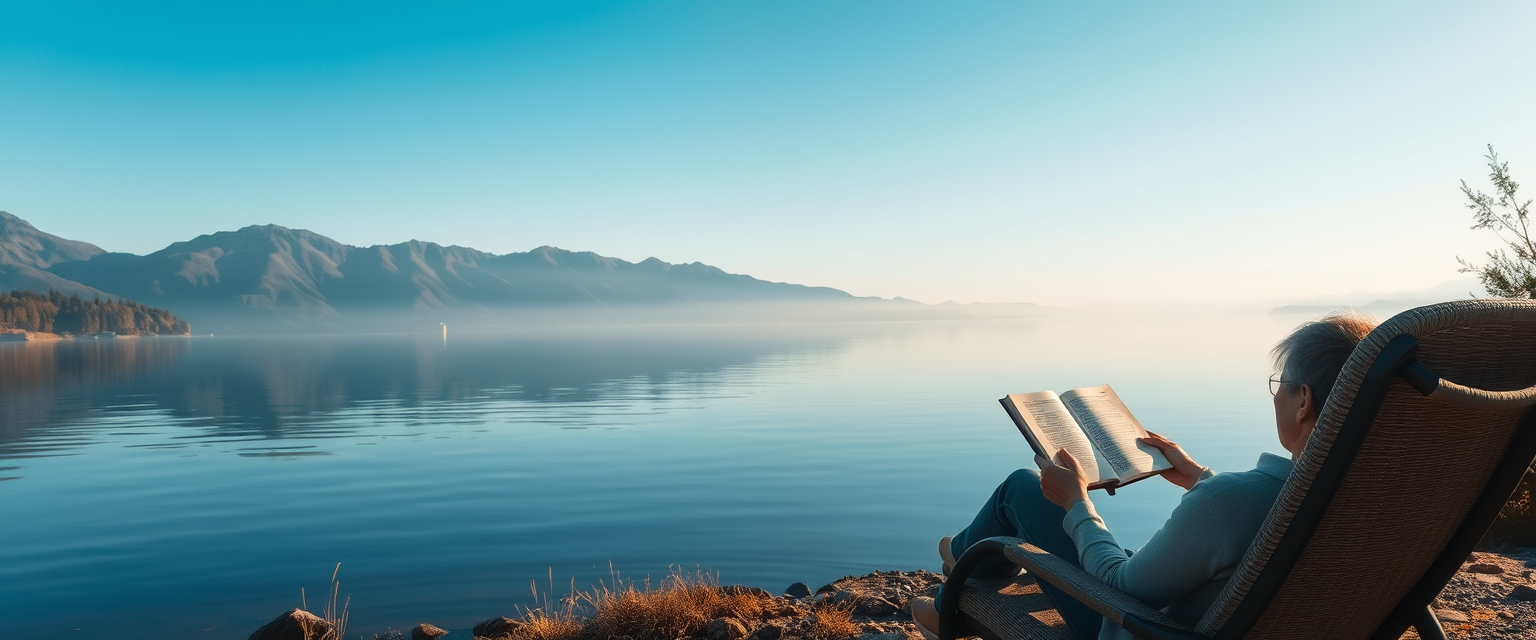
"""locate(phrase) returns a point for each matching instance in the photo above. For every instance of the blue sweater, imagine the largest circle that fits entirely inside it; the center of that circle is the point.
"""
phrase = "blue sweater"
(1187, 562)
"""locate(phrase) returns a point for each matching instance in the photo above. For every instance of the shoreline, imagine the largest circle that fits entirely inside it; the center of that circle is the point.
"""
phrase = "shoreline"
(1493, 595)
(17, 335)
(868, 607)
(20, 335)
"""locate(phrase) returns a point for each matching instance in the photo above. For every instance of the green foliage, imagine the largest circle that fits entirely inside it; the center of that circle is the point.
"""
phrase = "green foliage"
(1505, 275)
(57, 313)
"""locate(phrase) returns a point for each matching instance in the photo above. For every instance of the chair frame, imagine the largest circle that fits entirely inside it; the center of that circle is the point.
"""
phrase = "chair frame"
(1396, 360)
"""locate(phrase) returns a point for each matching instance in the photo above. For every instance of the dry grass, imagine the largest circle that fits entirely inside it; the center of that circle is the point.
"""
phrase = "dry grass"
(834, 622)
(1516, 524)
(334, 616)
(538, 625)
(679, 607)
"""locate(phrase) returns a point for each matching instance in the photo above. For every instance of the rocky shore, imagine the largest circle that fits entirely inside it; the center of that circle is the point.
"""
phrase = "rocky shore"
(1493, 596)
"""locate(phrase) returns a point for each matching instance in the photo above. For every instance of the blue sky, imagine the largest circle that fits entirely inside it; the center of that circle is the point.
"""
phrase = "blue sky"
(978, 151)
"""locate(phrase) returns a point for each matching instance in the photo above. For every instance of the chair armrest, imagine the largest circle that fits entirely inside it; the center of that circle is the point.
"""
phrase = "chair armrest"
(1128, 612)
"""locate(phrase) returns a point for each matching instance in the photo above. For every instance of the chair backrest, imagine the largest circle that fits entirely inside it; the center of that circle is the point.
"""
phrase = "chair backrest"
(1394, 488)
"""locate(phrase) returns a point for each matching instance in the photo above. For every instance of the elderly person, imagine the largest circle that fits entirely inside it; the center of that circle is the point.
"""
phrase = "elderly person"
(1188, 561)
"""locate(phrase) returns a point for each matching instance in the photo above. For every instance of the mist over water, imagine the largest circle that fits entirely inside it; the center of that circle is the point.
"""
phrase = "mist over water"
(189, 487)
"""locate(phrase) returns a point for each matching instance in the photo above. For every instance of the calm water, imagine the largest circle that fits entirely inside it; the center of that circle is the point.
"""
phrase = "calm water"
(191, 487)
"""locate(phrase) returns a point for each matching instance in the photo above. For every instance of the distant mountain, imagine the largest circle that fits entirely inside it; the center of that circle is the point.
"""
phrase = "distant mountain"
(25, 253)
(1379, 303)
(22, 243)
(269, 276)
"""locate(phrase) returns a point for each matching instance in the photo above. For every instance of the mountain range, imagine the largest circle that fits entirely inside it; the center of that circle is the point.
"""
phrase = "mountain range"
(270, 277)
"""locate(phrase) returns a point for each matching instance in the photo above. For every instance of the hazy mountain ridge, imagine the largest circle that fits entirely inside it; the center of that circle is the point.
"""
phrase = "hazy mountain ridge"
(1382, 304)
(25, 252)
(263, 274)
(22, 243)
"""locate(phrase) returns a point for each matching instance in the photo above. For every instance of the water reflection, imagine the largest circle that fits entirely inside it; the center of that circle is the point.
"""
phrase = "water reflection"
(191, 487)
(55, 396)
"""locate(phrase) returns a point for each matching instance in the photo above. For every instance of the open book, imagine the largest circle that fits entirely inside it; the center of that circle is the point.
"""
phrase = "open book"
(1094, 426)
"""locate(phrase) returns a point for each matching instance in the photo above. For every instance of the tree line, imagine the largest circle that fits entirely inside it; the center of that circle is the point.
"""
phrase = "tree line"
(58, 313)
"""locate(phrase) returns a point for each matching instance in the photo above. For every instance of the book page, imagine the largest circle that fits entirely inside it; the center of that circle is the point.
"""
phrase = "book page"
(1109, 424)
(1049, 426)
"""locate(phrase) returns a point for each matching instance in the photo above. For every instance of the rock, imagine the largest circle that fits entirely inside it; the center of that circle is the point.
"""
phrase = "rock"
(1523, 593)
(770, 631)
(426, 631)
(296, 625)
(780, 608)
(875, 607)
(725, 629)
(888, 635)
(1451, 615)
(827, 588)
(839, 596)
(743, 590)
(496, 628)
(798, 590)
(1483, 567)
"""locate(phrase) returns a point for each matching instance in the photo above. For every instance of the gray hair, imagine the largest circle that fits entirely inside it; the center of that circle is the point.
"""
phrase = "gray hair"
(1315, 352)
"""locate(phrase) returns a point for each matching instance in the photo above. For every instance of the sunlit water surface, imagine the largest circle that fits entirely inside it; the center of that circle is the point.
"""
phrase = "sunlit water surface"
(191, 487)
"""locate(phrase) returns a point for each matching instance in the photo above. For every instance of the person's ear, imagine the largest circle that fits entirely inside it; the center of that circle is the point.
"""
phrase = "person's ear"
(1306, 403)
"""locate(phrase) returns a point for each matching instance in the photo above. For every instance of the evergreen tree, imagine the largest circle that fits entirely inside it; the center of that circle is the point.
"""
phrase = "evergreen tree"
(57, 313)
(1505, 275)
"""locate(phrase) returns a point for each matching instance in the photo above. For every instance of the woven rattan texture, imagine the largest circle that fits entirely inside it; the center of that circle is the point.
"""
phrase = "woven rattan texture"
(1453, 393)
(1108, 601)
(1415, 478)
(1013, 608)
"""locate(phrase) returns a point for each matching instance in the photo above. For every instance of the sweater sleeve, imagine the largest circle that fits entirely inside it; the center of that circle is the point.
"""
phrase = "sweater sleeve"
(1180, 558)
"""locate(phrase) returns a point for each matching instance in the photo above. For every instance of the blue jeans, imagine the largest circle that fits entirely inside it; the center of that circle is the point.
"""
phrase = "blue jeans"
(1018, 509)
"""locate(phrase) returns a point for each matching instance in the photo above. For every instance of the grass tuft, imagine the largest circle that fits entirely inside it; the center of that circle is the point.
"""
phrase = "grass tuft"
(834, 622)
(334, 616)
(556, 625)
(337, 617)
(680, 606)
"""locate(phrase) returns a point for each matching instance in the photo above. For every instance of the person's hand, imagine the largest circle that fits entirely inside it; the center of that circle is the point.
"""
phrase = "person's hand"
(1062, 481)
(1185, 470)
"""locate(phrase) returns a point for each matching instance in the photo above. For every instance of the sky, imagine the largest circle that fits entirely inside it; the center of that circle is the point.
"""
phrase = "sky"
(1050, 152)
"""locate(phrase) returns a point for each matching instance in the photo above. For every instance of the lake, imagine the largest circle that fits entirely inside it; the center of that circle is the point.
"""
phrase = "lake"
(190, 487)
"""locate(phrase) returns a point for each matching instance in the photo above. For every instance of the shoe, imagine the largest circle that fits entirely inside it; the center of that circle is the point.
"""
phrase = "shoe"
(945, 554)
(926, 615)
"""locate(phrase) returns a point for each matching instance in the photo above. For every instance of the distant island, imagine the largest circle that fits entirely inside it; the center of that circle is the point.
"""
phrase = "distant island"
(24, 315)
(272, 278)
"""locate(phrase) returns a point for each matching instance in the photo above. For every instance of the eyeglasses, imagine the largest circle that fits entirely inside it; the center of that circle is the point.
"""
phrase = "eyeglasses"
(1274, 385)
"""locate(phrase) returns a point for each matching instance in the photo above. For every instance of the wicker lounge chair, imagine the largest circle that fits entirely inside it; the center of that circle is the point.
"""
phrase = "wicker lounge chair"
(1428, 430)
